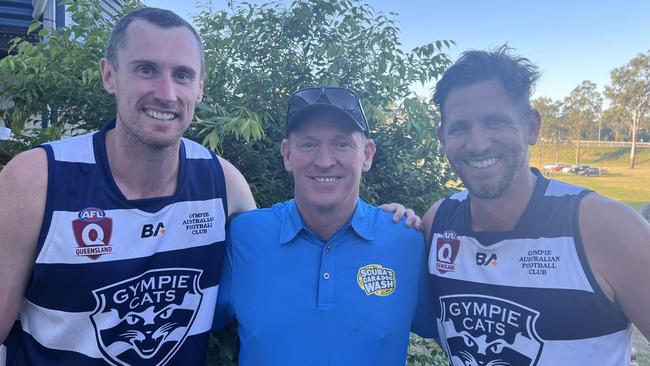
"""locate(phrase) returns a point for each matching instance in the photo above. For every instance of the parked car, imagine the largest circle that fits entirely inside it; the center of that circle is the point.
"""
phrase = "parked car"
(554, 167)
(579, 169)
(592, 172)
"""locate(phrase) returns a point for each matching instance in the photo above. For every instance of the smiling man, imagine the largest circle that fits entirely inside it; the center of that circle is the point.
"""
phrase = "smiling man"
(112, 241)
(526, 270)
(325, 278)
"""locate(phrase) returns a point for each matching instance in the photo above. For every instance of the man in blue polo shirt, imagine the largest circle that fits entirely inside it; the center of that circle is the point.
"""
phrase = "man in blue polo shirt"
(325, 278)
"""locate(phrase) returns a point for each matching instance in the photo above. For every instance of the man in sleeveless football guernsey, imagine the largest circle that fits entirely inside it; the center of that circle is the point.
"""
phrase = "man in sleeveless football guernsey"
(526, 270)
(112, 242)
(325, 278)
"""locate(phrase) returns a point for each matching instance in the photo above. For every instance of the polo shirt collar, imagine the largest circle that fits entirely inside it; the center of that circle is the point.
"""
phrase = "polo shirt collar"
(292, 222)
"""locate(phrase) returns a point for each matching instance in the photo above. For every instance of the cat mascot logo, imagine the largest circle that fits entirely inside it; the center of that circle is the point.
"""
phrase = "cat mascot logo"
(144, 320)
(488, 331)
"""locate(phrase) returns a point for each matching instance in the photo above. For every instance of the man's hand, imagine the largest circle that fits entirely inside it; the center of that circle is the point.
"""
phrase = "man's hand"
(399, 211)
(633, 362)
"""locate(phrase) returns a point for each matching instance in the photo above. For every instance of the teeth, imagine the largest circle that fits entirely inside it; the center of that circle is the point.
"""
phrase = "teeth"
(482, 164)
(324, 179)
(159, 115)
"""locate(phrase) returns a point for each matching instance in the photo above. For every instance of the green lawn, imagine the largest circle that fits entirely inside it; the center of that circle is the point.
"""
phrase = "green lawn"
(631, 186)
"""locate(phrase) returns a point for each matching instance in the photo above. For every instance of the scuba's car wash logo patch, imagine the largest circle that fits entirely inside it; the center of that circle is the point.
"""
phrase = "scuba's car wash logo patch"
(447, 248)
(92, 232)
(484, 330)
(376, 280)
(144, 320)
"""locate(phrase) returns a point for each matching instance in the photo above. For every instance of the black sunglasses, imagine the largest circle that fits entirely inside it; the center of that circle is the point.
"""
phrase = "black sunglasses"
(341, 98)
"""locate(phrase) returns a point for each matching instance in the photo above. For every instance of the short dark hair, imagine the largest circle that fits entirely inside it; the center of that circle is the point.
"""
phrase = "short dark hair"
(160, 17)
(517, 75)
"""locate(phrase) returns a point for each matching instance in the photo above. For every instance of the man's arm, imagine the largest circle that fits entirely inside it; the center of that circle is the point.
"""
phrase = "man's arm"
(23, 191)
(224, 313)
(240, 198)
(617, 243)
(427, 220)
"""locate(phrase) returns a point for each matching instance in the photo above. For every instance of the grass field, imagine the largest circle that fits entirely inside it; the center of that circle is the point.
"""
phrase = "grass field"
(631, 186)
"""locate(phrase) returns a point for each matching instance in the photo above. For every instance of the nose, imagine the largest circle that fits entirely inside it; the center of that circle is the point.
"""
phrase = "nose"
(324, 157)
(166, 88)
(479, 141)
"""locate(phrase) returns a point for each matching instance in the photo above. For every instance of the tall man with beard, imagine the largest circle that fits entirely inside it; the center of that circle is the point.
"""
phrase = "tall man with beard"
(112, 242)
(526, 270)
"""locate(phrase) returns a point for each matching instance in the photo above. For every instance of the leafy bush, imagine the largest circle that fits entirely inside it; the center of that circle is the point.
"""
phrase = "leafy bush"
(256, 56)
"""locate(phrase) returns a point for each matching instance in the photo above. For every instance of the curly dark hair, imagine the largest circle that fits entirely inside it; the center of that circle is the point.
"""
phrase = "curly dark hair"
(517, 75)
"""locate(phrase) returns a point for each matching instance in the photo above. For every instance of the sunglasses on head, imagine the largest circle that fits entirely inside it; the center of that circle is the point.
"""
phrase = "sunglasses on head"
(338, 97)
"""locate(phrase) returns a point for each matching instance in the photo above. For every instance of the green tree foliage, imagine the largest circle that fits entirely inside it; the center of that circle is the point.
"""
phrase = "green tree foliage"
(615, 121)
(583, 108)
(630, 90)
(256, 56)
(554, 129)
(60, 73)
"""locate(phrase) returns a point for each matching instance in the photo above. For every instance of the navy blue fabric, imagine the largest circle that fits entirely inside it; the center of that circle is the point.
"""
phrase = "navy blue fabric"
(96, 275)
(565, 313)
(31, 353)
(75, 186)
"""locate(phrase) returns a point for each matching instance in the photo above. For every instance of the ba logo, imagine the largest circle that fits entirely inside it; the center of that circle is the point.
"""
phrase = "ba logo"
(144, 320)
(149, 230)
(92, 232)
(482, 259)
(484, 330)
(447, 248)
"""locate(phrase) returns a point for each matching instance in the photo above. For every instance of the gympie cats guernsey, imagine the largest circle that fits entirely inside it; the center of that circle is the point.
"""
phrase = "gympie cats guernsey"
(122, 282)
(524, 297)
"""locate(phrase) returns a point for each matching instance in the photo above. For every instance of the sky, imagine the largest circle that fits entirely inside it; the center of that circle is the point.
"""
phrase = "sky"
(570, 40)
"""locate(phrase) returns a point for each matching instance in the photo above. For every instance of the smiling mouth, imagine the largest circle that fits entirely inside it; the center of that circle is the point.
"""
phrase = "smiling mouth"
(482, 164)
(325, 179)
(163, 116)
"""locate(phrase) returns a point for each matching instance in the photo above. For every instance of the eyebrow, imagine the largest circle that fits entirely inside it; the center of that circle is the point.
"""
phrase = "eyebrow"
(188, 69)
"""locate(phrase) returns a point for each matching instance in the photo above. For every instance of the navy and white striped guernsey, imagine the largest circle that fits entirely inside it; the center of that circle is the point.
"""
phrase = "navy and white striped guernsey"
(122, 282)
(526, 296)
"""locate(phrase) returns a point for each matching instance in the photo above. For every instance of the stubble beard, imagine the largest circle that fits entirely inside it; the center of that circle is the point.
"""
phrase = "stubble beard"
(480, 188)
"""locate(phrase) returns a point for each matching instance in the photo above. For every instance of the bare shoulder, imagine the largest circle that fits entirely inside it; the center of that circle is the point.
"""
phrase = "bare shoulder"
(616, 240)
(602, 217)
(23, 192)
(25, 172)
(427, 219)
(240, 198)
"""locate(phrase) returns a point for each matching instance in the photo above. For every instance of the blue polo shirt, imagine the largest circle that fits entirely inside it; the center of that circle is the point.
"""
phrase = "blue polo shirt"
(302, 300)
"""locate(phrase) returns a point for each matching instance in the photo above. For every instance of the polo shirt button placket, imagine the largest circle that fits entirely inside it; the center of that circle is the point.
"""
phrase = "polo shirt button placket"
(326, 281)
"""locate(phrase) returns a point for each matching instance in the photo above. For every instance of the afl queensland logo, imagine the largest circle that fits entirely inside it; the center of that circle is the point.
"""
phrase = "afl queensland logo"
(92, 232)
(144, 320)
(484, 330)
(447, 248)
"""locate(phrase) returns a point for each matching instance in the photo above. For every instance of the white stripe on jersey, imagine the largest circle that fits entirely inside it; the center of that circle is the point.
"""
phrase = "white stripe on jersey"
(195, 151)
(514, 263)
(605, 350)
(559, 189)
(3, 355)
(459, 196)
(78, 335)
(75, 149)
(184, 227)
